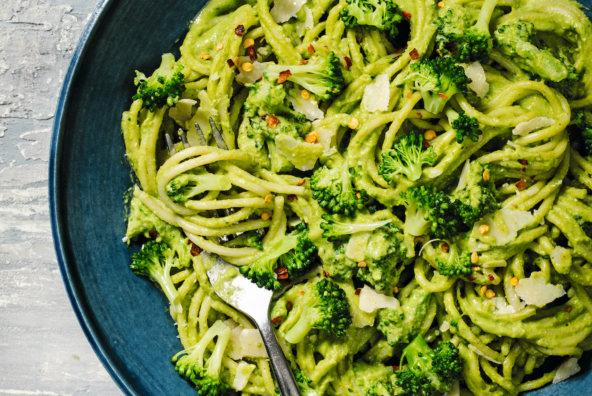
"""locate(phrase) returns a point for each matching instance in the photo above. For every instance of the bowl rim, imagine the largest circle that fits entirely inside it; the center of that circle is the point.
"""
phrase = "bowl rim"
(55, 208)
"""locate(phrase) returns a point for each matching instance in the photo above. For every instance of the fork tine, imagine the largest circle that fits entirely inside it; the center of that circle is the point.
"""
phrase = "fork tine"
(184, 138)
(219, 139)
(170, 145)
(200, 134)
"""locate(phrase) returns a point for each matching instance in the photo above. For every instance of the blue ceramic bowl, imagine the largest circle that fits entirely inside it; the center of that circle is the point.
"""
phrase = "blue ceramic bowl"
(124, 317)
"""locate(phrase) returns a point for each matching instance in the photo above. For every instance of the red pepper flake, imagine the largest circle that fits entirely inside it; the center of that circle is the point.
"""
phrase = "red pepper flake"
(445, 247)
(289, 306)
(292, 197)
(252, 53)
(282, 273)
(357, 292)
(272, 121)
(471, 278)
(401, 50)
(520, 184)
(284, 76)
(409, 96)
(311, 49)
(568, 310)
(195, 250)
(303, 62)
(230, 63)
(414, 54)
(426, 144)
(419, 115)
(277, 320)
(325, 274)
(407, 15)
(524, 169)
(348, 62)
(302, 293)
(396, 367)
(523, 162)
(450, 47)
(441, 95)
(260, 78)
(240, 30)
(532, 177)
(153, 234)
(236, 70)
(491, 278)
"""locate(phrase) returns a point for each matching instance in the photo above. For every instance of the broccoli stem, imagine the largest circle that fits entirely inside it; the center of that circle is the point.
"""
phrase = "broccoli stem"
(215, 361)
(300, 329)
(418, 353)
(482, 24)
(163, 278)
(415, 221)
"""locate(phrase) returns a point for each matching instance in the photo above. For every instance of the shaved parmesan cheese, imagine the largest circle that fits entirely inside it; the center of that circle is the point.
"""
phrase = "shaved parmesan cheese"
(356, 247)
(371, 300)
(524, 128)
(308, 21)
(507, 224)
(502, 307)
(307, 107)
(182, 111)
(445, 326)
(377, 95)
(243, 372)
(327, 138)
(454, 390)
(283, 10)
(124, 239)
(252, 344)
(536, 291)
(462, 181)
(234, 348)
(478, 352)
(479, 84)
(215, 76)
(566, 370)
(250, 77)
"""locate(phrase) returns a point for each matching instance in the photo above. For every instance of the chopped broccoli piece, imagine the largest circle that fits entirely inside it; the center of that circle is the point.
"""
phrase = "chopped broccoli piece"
(518, 41)
(321, 76)
(429, 371)
(373, 379)
(407, 157)
(267, 97)
(336, 263)
(248, 239)
(458, 262)
(333, 190)
(303, 383)
(466, 45)
(378, 15)
(438, 80)
(581, 133)
(334, 229)
(301, 256)
(325, 308)
(567, 86)
(428, 210)
(205, 376)
(164, 87)
(192, 183)
(155, 261)
(465, 126)
(478, 198)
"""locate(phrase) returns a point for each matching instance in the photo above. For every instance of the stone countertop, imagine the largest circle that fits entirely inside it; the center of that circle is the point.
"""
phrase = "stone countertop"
(43, 350)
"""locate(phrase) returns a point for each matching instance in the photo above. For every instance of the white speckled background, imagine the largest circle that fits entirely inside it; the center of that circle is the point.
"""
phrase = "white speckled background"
(42, 348)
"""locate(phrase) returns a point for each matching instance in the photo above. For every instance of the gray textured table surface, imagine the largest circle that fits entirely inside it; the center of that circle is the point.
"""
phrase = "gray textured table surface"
(42, 348)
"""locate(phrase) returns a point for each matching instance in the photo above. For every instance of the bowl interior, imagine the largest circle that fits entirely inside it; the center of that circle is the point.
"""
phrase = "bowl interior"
(124, 317)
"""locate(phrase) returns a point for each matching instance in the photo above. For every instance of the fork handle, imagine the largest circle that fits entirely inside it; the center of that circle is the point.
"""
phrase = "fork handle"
(279, 363)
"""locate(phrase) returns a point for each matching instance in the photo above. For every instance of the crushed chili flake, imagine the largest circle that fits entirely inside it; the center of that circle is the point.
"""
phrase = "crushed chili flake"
(414, 54)
(153, 234)
(445, 247)
(568, 310)
(491, 278)
(419, 115)
(230, 63)
(272, 121)
(532, 177)
(401, 50)
(195, 250)
(277, 320)
(407, 15)
(523, 162)
(303, 61)
(292, 197)
(260, 78)
(348, 62)
(440, 94)
(450, 47)
(252, 53)
(520, 184)
(471, 278)
(325, 274)
(524, 169)
(311, 49)
(302, 293)
(395, 367)
(426, 144)
(289, 305)
(409, 96)
(284, 76)
(357, 292)
(300, 182)
(236, 70)
(282, 272)
(240, 30)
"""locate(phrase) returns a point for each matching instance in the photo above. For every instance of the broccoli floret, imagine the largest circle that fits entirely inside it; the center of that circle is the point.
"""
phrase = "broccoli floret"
(465, 126)
(407, 157)
(466, 45)
(399, 326)
(333, 190)
(267, 97)
(581, 134)
(478, 197)
(322, 76)
(457, 263)
(325, 308)
(248, 239)
(373, 379)
(301, 257)
(438, 80)
(193, 365)
(378, 15)
(428, 209)
(429, 371)
(164, 87)
(518, 41)
(303, 383)
(567, 86)
(155, 261)
(334, 229)
(384, 257)
(336, 263)
(190, 184)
